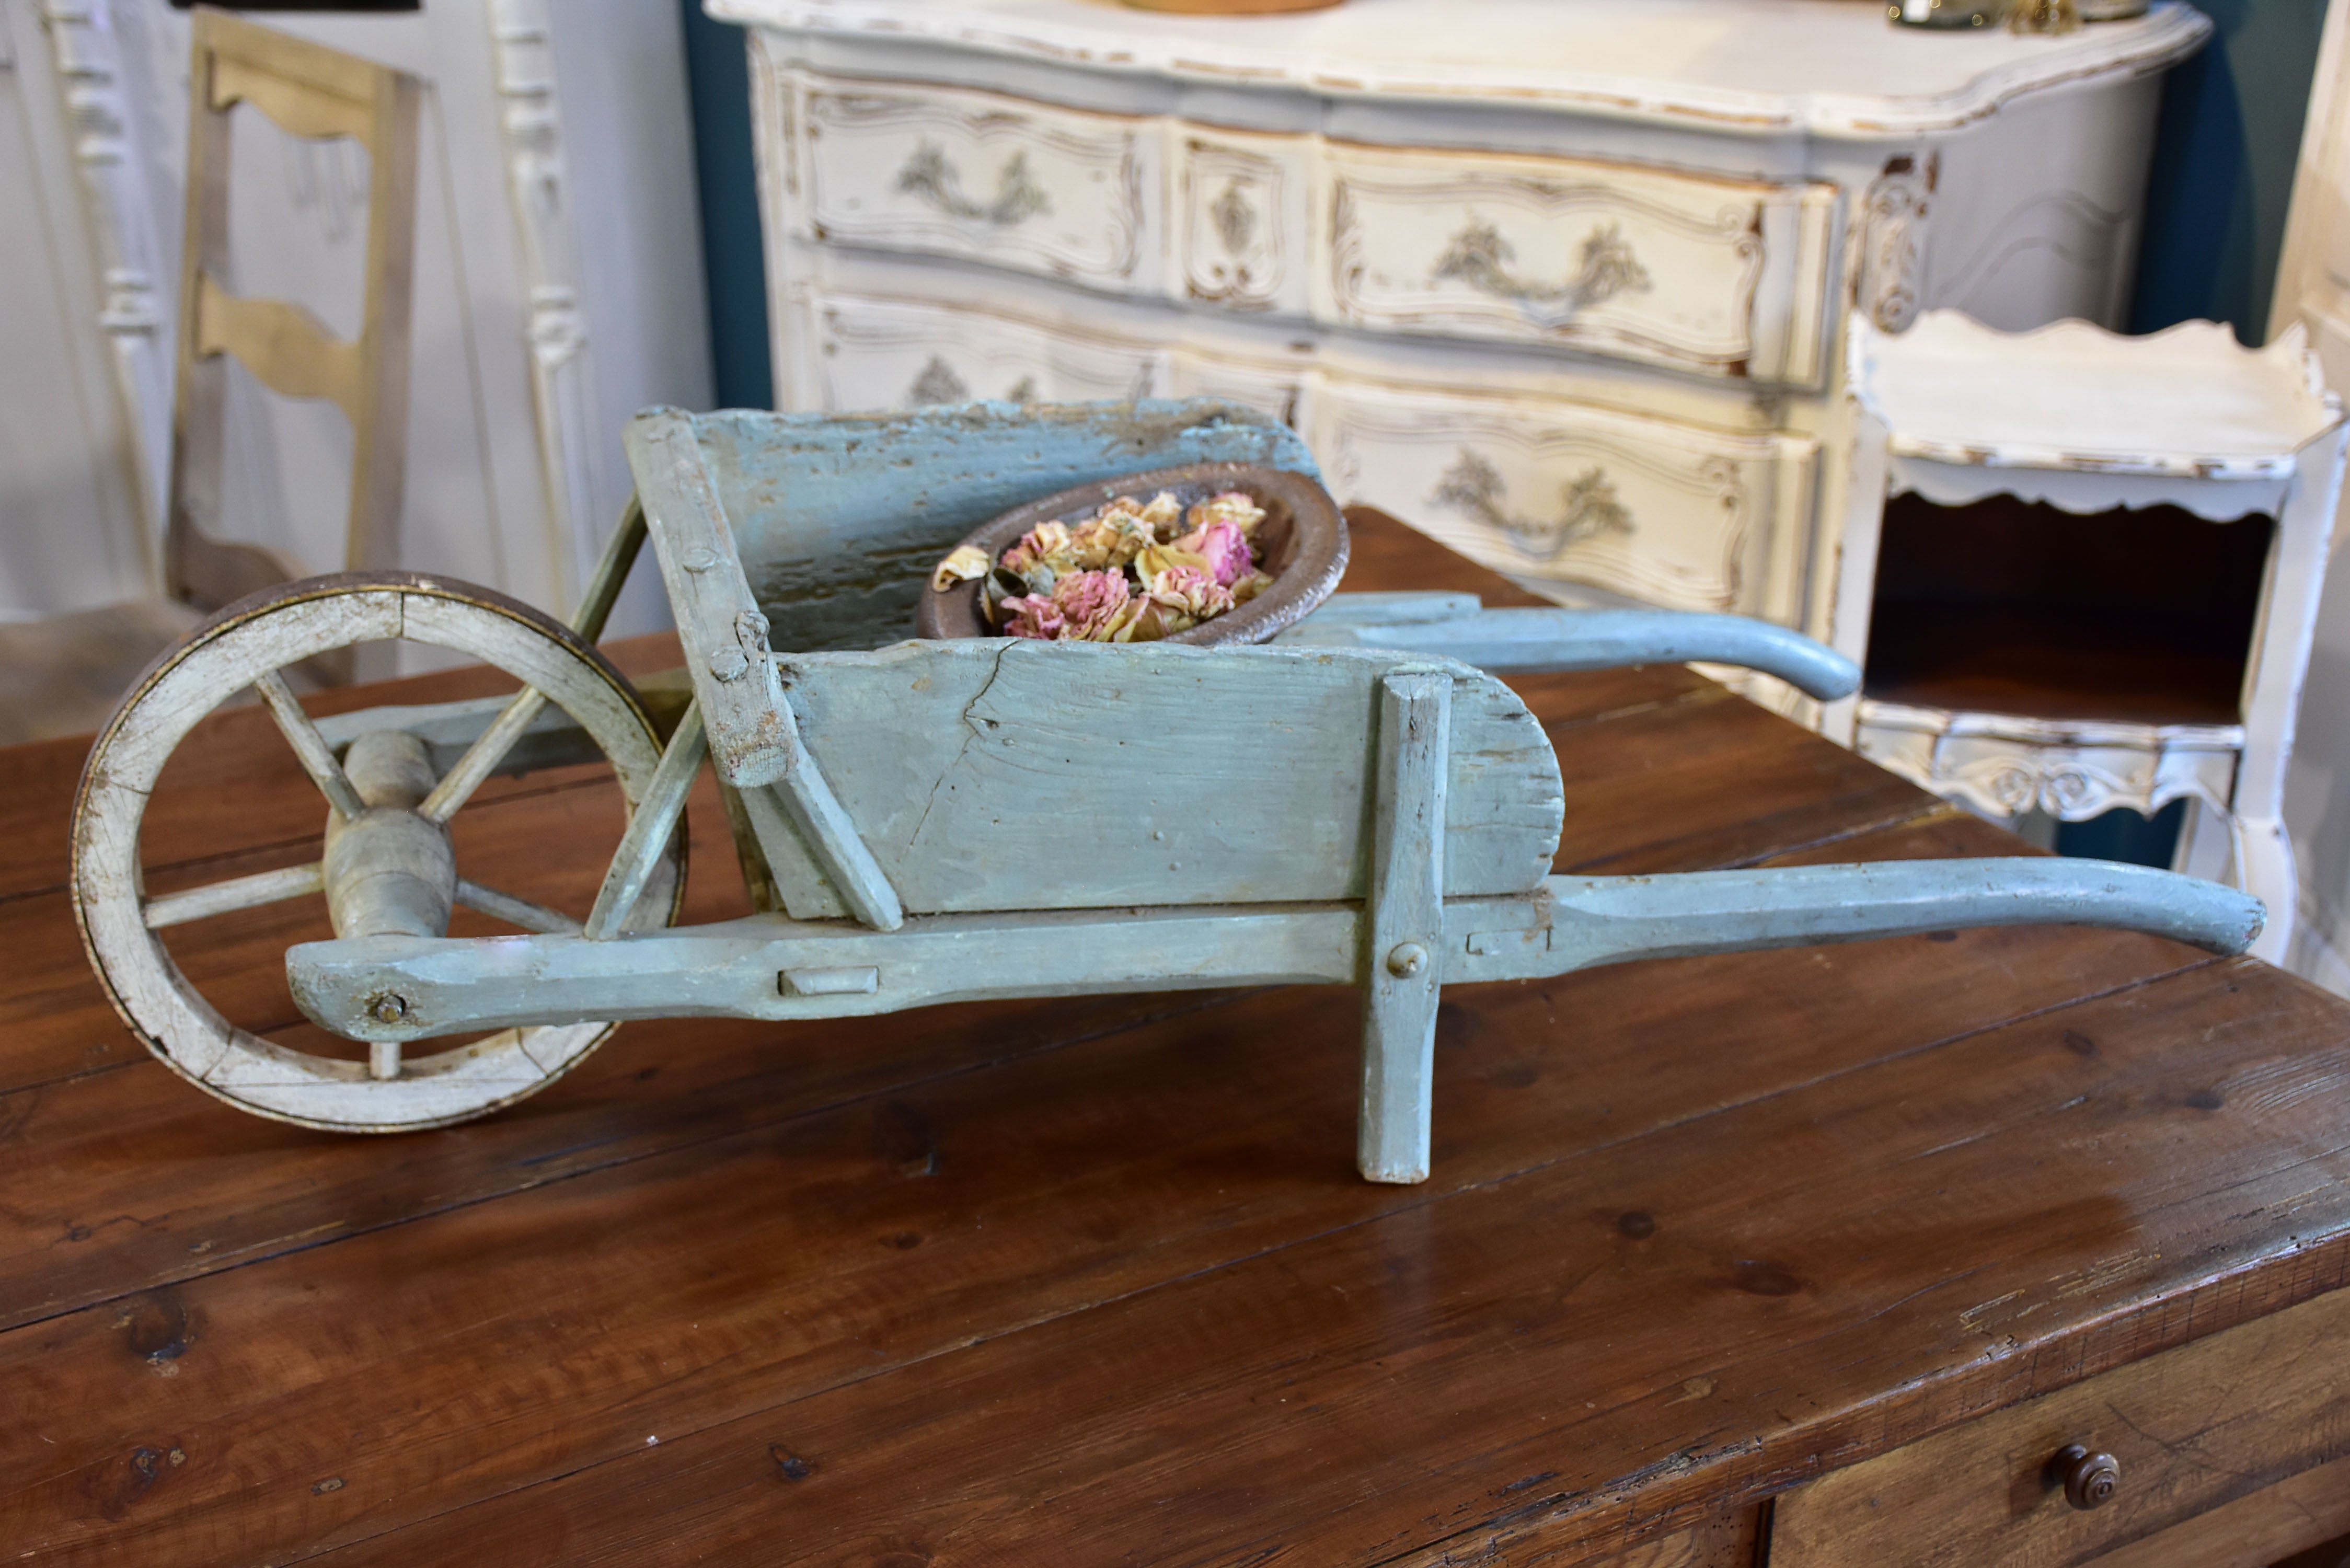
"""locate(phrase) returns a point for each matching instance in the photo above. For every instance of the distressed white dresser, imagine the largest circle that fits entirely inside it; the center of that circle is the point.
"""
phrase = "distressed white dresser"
(1561, 281)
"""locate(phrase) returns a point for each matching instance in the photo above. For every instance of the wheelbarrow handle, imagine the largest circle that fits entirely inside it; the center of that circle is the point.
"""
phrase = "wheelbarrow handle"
(1528, 641)
(1614, 919)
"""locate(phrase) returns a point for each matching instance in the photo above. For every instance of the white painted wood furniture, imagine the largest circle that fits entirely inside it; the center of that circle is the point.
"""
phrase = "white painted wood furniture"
(558, 286)
(318, 95)
(2313, 292)
(2078, 422)
(61, 674)
(1561, 281)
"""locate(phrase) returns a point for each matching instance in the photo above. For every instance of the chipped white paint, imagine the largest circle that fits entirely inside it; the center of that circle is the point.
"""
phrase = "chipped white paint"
(2189, 402)
(219, 659)
(1761, 68)
(2086, 422)
(1567, 288)
(2073, 769)
(538, 184)
(2312, 294)
(85, 52)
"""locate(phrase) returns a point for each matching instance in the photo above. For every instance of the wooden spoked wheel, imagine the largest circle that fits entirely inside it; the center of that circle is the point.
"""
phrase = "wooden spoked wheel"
(246, 646)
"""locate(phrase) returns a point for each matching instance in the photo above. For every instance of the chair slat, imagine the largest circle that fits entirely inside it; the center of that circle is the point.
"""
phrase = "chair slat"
(298, 107)
(287, 349)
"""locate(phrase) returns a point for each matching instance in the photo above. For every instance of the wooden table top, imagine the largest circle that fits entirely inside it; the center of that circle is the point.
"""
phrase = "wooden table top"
(1094, 1280)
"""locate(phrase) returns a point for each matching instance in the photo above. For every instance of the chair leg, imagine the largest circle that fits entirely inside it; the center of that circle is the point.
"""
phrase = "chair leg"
(1404, 923)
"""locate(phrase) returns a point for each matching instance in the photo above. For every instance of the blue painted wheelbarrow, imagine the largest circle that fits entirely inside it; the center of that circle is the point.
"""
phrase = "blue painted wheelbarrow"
(926, 823)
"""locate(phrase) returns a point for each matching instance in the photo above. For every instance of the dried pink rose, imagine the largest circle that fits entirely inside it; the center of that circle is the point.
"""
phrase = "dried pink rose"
(1090, 598)
(1043, 540)
(1121, 576)
(1033, 615)
(1145, 620)
(1225, 548)
(1193, 591)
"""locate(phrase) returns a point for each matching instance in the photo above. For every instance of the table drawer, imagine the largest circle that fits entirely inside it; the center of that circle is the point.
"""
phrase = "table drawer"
(1724, 277)
(2193, 1429)
(1673, 513)
(907, 167)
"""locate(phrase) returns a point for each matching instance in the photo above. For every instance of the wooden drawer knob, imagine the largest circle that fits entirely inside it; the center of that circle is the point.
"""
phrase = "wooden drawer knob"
(2090, 1480)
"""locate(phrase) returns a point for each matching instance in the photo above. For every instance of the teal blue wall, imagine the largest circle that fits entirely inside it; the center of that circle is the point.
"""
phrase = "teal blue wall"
(2224, 162)
(2222, 176)
(719, 79)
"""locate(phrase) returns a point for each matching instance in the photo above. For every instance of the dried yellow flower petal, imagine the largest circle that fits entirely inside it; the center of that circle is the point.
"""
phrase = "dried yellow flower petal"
(960, 566)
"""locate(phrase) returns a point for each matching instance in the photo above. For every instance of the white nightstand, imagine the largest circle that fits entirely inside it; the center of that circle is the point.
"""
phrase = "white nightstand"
(2081, 571)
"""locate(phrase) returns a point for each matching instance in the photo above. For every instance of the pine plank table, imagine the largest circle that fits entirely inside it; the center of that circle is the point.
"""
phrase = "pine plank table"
(1823, 1254)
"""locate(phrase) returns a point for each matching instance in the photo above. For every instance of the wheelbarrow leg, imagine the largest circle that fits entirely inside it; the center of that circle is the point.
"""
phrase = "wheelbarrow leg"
(1404, 932)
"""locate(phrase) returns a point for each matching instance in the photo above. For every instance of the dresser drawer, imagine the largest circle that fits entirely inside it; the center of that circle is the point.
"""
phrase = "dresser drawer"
(2194, 1429)
(2001, 764)
(887, 353)
(1724, 277)
(1668, 513)
(1060, 192)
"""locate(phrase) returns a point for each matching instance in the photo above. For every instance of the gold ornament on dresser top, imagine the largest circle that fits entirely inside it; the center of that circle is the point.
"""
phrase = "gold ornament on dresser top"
(2021, 15)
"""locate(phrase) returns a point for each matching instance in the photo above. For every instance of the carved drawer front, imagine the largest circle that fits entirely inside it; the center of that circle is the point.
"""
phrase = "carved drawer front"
(1242, 206)
(2071, 769)
(1724, 277)
(1671, 513)
(875, 353)
(949, 172)
(2100, 1471)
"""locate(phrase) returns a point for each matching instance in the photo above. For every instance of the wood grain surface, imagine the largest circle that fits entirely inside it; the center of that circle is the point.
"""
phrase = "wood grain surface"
(1095, 1281)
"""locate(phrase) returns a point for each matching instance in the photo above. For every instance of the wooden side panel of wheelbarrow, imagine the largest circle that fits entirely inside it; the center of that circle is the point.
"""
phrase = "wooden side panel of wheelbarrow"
(1033, 780)
(999, 775)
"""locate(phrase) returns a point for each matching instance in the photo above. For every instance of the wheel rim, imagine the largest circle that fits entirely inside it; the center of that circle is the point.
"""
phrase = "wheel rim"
(233, 651)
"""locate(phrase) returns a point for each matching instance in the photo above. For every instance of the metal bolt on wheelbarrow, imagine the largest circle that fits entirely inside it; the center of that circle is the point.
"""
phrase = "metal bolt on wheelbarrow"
(1360, 800)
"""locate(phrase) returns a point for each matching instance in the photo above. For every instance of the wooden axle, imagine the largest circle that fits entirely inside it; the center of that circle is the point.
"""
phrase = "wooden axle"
(390, 871)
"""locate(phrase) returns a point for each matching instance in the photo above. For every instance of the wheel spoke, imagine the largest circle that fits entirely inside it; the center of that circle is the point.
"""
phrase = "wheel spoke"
(483, 757)
(237, 893)
(514, 911)
(311, 748)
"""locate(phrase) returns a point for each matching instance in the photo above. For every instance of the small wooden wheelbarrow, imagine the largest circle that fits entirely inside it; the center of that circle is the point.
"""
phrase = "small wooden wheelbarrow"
(1359, 801)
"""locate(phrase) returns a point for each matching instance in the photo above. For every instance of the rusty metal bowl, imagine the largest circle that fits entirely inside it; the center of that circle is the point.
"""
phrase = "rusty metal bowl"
(1304, 537)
